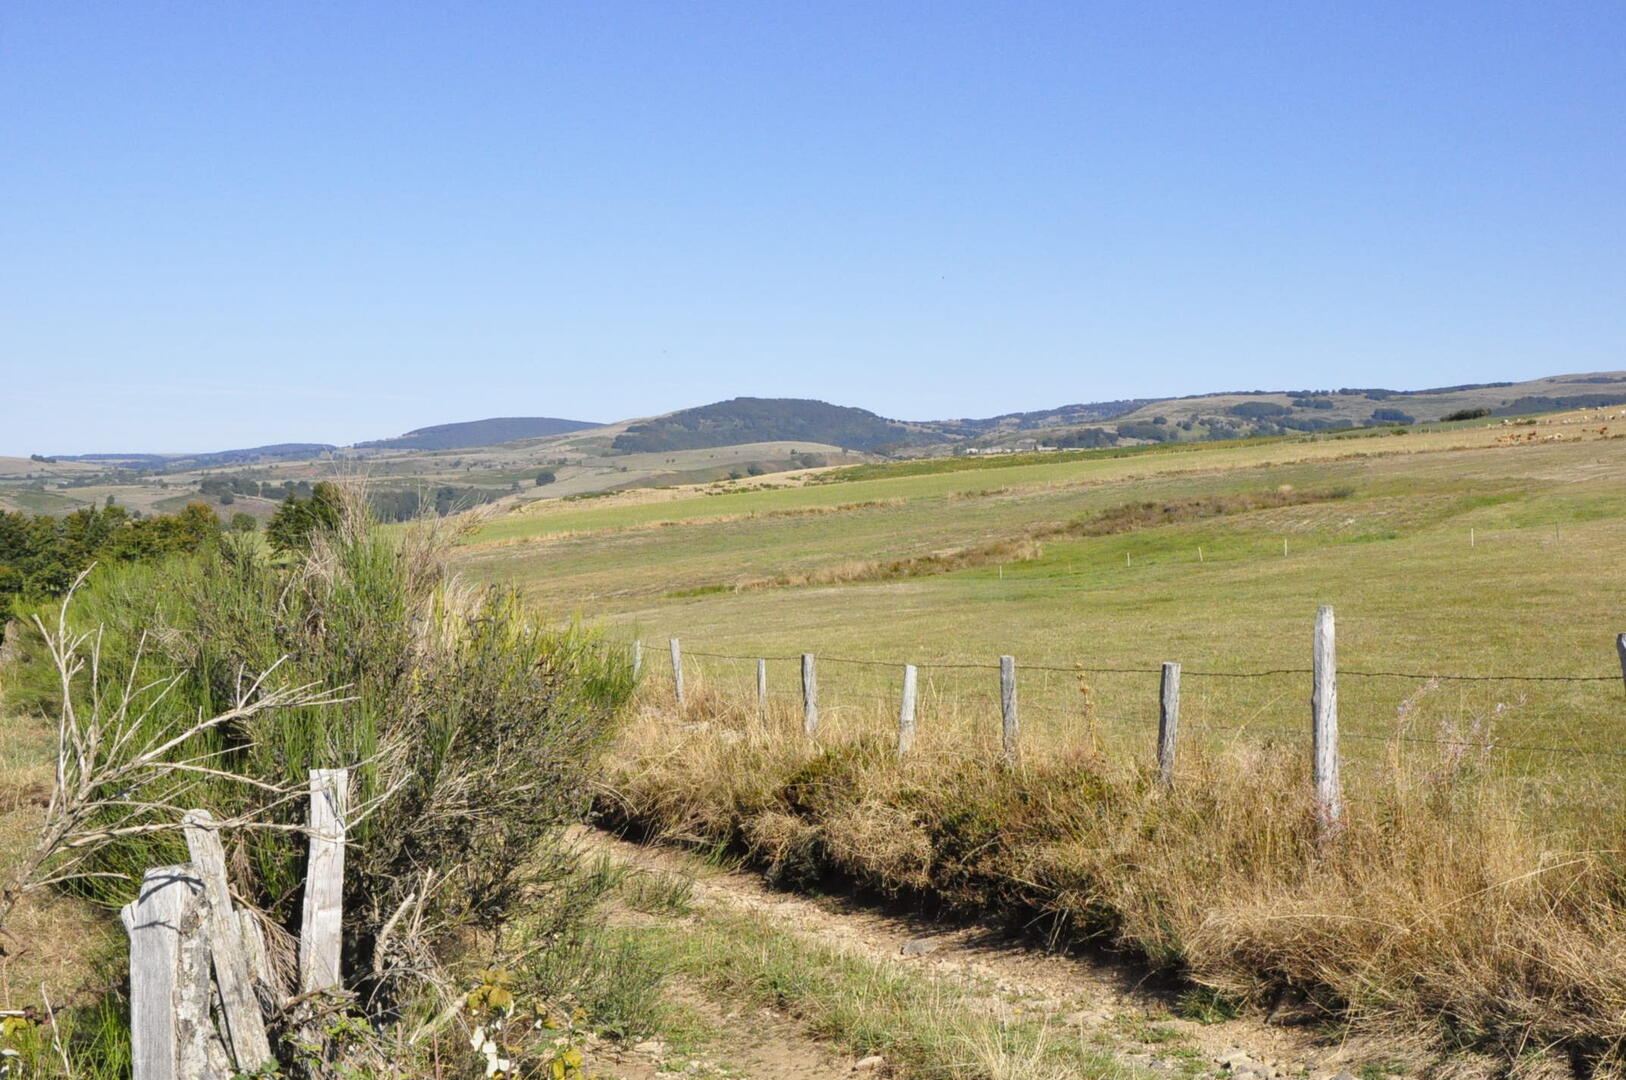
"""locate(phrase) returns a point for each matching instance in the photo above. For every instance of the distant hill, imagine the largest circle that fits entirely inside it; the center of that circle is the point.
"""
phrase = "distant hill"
(498, 429)
(1242, 413)
(1062, 415)
(751, 420)
(247, 456)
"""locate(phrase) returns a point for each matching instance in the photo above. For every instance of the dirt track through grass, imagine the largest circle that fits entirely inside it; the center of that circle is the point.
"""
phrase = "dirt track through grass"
(1106, 1009)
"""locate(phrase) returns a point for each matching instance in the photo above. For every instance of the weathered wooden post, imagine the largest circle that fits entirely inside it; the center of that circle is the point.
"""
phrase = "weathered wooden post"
(1007, 708)
(762, 688)
(1329, 795)
(810, 695)
(637, 658)
(163, 913)
(245, 1025)
(323, 914)
(1168, 722)
(1620, 647)
(677, 671)
(906, 712)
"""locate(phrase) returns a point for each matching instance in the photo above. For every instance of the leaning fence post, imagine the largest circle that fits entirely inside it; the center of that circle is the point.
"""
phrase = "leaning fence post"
(158, 918)
(245, 1026)
(1324, 705)
(762, 688)
(906, 712)
(323, 915)
(1168, 722)
(677, 671)
(810, 695)
(1007, 707)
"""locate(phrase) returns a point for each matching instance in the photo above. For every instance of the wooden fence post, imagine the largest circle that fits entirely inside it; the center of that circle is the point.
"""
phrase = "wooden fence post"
(245, 1025)
(906, 712)
(810, 695)
(1620, 647)
(762, 688)
(163, 911)
(677, 671)
(1324, 706)
(1007, 708)
(323, 915)
(637, 658)
(1168, 722)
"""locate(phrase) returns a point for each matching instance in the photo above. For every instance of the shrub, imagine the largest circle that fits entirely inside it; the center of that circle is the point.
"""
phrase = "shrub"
(1392, 416)
(469, 730)
(1466, 414)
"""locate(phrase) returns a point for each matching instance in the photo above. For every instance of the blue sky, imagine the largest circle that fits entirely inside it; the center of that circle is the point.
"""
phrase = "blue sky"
(229, 224)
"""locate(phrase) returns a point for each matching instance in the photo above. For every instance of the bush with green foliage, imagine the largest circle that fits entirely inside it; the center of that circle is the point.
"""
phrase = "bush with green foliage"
(470, 730)
(40, 555)
(298, 520)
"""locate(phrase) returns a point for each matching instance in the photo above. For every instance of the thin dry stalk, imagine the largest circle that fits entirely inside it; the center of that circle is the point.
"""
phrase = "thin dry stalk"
(118, 748)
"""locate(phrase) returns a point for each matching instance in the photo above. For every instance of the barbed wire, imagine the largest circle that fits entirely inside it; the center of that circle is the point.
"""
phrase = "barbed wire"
(1082, 667)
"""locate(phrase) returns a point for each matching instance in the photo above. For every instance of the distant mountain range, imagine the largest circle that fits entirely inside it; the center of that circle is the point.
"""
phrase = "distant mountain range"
(248, 456)
(1236, 414)
(759, 420)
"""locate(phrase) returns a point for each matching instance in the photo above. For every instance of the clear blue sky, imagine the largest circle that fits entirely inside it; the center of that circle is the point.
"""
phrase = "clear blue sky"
(228, 224)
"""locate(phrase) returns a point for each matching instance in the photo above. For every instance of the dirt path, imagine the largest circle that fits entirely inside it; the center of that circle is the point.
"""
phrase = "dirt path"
(1105, 1004)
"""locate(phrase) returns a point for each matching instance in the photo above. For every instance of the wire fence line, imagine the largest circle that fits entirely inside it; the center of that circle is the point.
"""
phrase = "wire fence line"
(1082, 666)
(1323, 732)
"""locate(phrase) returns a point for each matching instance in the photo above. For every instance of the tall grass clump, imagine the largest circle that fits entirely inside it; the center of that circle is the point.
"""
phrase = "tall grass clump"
(1438, 911)
(471, 733)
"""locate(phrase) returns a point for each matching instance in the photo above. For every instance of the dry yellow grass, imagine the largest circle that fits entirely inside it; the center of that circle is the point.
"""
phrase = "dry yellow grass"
(53, 939)
(1436, 910)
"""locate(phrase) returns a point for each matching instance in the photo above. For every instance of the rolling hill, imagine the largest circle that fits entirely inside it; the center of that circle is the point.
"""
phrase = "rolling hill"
(499, 429)
(749, 420)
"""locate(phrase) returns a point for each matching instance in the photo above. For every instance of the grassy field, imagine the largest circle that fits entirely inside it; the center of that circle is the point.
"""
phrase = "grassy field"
(1471, 899)
(1536, 591)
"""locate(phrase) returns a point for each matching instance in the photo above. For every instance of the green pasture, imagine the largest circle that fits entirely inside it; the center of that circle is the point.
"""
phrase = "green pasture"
(937, 480)
(1488, 560)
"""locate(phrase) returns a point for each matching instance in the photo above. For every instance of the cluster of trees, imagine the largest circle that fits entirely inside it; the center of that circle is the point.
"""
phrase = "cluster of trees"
(219, 486)
(404, 504)
(40, 555)
(1258, 410)
(1089, 438)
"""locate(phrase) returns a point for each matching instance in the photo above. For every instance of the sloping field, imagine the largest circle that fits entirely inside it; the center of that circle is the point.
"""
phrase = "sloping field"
(1470, 901)
(1484, 551)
